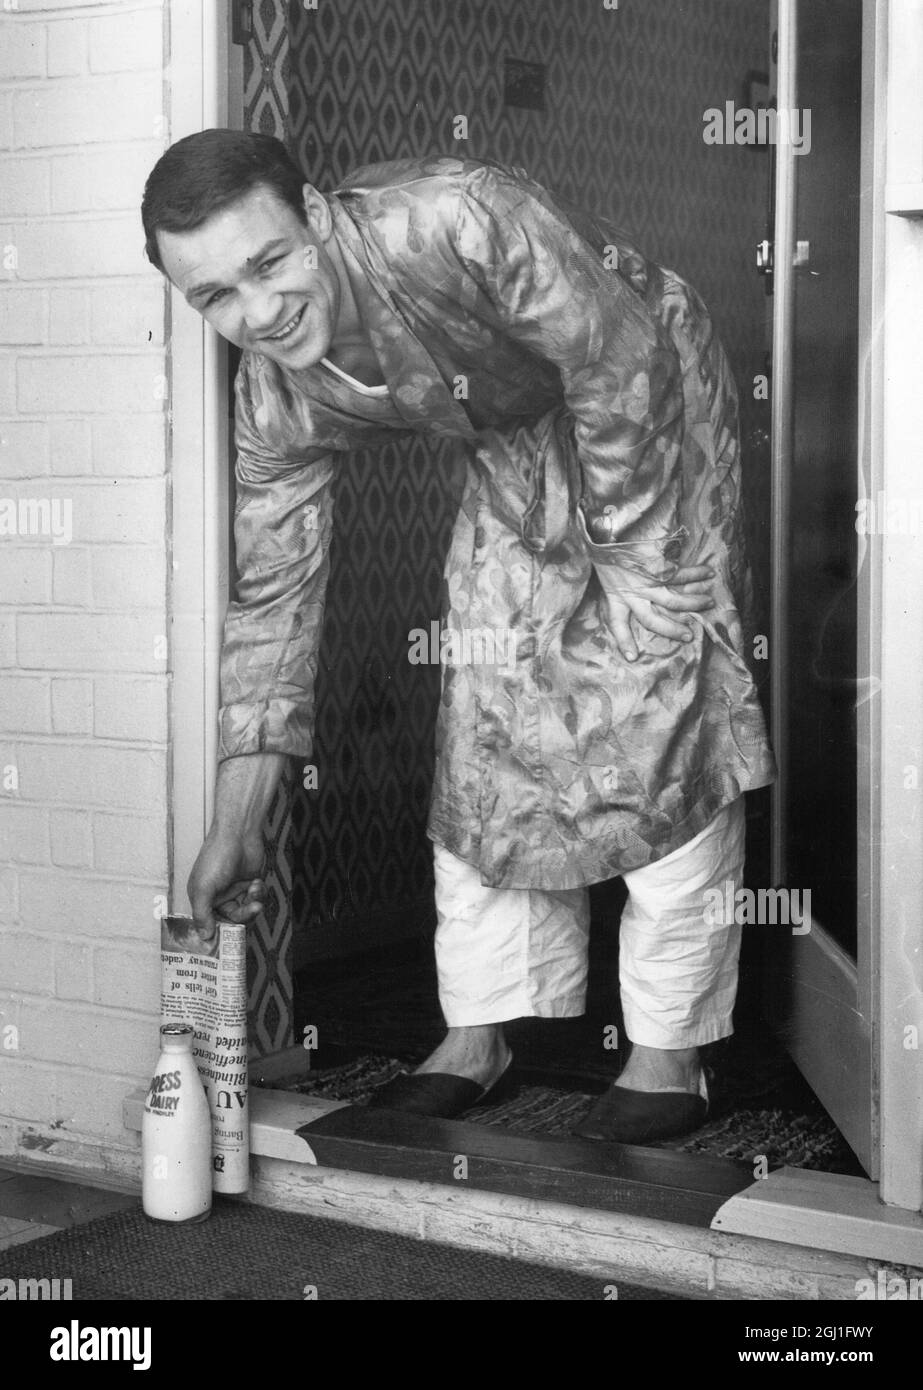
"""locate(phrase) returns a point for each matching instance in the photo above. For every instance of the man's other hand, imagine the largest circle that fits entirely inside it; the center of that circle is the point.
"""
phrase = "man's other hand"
(687, 592)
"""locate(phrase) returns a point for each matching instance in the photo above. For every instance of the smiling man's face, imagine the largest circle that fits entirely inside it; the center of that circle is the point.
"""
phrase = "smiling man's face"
(260, 277)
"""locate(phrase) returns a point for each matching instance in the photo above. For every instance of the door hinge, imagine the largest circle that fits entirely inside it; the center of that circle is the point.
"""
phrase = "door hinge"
(241, 21)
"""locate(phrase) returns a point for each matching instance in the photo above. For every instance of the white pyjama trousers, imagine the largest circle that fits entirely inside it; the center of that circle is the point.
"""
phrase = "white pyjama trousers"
(504, 953)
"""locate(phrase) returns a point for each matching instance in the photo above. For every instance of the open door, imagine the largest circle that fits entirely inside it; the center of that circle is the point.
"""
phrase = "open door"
(824, 692)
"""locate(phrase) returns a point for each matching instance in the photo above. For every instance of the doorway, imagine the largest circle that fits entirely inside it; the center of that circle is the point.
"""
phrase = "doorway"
(589, 100)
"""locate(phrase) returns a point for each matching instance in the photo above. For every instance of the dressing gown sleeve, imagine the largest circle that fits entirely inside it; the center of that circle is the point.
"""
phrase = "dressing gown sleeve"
(622, 377)
(269, 655)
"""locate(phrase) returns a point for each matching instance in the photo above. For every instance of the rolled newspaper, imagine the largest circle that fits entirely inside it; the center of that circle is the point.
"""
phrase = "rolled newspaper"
(205, 985)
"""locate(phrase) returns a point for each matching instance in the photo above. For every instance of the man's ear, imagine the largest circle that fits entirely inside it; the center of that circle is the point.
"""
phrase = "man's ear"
(317, 212)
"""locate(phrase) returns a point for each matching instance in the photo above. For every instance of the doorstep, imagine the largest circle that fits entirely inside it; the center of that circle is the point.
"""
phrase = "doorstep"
(625, 1212)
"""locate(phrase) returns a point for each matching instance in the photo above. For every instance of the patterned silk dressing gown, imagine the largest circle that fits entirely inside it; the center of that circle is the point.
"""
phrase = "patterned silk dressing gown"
(601, 420)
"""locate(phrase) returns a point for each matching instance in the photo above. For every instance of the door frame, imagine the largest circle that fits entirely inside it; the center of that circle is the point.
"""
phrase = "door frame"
(897, 427)
(816, 990)
(198, 575)
(870, 1079)
(201, 59)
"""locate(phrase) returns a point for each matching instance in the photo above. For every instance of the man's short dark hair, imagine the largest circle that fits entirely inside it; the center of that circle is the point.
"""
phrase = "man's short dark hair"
(205, 173)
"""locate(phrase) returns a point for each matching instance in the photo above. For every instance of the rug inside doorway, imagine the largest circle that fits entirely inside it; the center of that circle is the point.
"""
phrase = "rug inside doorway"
(244, 1252)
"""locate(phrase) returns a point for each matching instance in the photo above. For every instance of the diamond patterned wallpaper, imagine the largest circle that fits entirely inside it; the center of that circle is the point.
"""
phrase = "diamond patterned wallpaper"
(356, 81)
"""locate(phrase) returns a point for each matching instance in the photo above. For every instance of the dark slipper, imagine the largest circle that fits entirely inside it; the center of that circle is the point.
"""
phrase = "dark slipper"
(438, 1094)
(642, 1117)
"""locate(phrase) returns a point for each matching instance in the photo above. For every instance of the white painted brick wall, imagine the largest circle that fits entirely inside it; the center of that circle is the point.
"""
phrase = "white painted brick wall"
(80, 112)
(132, 846)
(68, 48)
(125, 707)
(51, 1029)
(26, 963)
(126, 574)
(72, 705)
(26, 704)
(70, 903)
(23, 833)
(22, 53)
(28, 1090)
(69, 446)
(90, 642)
(24, 449)
(89, 383)
(130, 42)
(25, 575)
(83, 718)
(97, 774)
(71, 577)
(128, 445)
(73, 247)
(69, 317)
(73, 970)
(7, 382)
(24, 315)
(26, 187)
(102, 180)
(71, 839)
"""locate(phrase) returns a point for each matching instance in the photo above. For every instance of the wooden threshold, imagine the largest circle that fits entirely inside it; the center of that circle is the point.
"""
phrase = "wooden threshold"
(656, 1183)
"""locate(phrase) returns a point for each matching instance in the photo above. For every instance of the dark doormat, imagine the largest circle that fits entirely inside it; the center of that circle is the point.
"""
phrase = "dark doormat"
(246, 1252)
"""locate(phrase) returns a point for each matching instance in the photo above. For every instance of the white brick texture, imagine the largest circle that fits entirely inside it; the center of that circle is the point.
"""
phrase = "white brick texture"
(130, 847)
(72, 706)
(81, 112)
(90, 383)
(26, 963)
(127, 42)
(67, 48)
(73, 970)
(29, 1092)
(78, 248)
(26, 706)
(89, 642)
(69, 318)
(128, 575)
(128, 445)
(91, 774)
(105, 180)
(24, 451)
(52, 1031)
(69, 446)
(76, 904)
(84, 860)
(22, 52)
(24, 315)
(71, 585)
(89, 1103)
(26, 187)
(23, 833)
(133, 977)
(129, 709)
(25, 574)
(71, 839)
